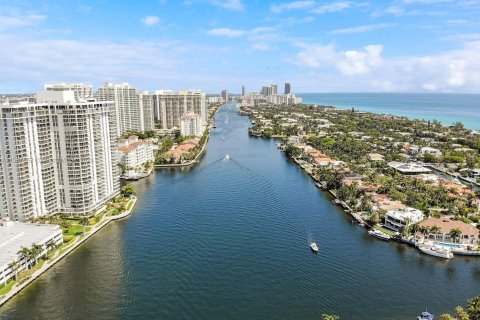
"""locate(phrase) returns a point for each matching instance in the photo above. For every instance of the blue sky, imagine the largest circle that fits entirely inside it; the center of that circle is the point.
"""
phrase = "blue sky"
(318, 46)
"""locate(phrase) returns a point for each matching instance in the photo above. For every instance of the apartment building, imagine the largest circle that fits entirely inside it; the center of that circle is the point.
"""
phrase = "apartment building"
(170, 106)
(147, 111)
(81, 91)
(129, 116)
(135, 154)
(58, 155)
(191, 125)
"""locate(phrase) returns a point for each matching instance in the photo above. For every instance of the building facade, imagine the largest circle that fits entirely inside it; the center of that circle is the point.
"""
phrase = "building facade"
(191, 125)
(287, 88)
(129, 115)
(170, 106)
(224, 95)
(81, 91)
(135, 154)
(58, 155)
(147, 111)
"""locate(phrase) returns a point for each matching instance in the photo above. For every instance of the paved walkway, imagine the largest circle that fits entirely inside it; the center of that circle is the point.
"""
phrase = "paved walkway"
(75, 244)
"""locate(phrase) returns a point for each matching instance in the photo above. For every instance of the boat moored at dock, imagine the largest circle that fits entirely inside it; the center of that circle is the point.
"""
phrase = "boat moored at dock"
(379, 234)
(437, 251)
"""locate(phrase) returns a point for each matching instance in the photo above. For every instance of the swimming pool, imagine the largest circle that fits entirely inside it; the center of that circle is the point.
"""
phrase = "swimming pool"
(448, 245)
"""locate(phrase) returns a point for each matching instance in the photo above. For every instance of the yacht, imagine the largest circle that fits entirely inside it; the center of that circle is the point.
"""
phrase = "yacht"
(379, 234)
(437, 251)
(426, 316)
(314, 247)
(227, 157)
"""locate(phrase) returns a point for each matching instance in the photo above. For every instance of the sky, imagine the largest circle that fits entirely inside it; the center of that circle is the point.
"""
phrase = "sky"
(317, 46)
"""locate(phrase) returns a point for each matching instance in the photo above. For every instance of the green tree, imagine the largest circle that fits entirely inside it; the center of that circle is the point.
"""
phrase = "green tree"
(461, 314)
(14, 265)
(473, 308)
(35, 250)
(455, 233)
(24, 255)
(128, 190)
(446, 316)
(84, 222)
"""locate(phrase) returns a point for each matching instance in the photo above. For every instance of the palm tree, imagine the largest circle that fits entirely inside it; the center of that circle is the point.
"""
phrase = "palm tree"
(473, 308)
(455, 233)
(435, 230)
(35, 251)
(84, 222)
(14, 265)
(24, 254)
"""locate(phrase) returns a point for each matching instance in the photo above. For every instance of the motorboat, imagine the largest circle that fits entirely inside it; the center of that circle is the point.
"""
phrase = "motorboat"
(437, 251)
(227, 157)
(379, 234)
(314, 247)
(426, 316)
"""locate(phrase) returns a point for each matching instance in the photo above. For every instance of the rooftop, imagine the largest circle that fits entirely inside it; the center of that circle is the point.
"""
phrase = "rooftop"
(18, 234)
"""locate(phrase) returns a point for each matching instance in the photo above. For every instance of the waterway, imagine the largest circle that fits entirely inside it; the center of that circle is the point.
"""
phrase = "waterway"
(228, 239)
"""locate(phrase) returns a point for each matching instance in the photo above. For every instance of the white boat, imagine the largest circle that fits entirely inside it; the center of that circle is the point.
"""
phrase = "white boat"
(314, 247)
(379, 234)
(227, 157)
(437, 251)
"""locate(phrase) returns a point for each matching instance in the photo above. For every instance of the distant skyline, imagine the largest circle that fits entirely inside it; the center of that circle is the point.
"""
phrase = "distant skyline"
(317, 46)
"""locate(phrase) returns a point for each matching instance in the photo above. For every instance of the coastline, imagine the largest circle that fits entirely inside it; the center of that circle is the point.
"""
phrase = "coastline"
(77, 243)
(444, 107)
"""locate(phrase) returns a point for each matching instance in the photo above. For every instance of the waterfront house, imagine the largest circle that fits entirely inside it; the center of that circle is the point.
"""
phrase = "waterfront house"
(440, 229)
(403, 217)
(408, 168)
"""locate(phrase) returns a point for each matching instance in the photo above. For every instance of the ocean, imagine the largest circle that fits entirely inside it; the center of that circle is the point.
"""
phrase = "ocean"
(447, 108)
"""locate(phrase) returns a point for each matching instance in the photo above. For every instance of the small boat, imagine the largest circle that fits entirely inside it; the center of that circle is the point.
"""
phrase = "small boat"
(426, 316)
(314, 247)
(379, 234)
(336, 201)
(227, 157)
(437, 251)
(361, 224)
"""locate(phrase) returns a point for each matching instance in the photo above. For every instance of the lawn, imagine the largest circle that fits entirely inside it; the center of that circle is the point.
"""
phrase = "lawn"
(6, 288)
(74, 230)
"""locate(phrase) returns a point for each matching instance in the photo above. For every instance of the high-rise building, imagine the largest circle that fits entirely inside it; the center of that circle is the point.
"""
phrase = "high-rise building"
(81, 91)
(127, 106)
(191, 125)
(146, 111)
(58, 155)
(273, 89)
(243, 91)
(170, 106)
(224, 95)
(287, 88)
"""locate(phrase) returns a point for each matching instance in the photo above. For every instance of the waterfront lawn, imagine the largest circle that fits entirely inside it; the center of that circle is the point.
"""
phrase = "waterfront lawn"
(4, 289)
(385, 230)
(74, 230)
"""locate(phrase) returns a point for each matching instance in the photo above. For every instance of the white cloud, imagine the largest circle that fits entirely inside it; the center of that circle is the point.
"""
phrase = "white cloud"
(292, 6)
(235, 5)
(12, 21)
(333, 7)
(233, 33)
(351, 62)
(226, 32)
(366, 70)
(260, 47)
(361, 29)
(150, 20)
